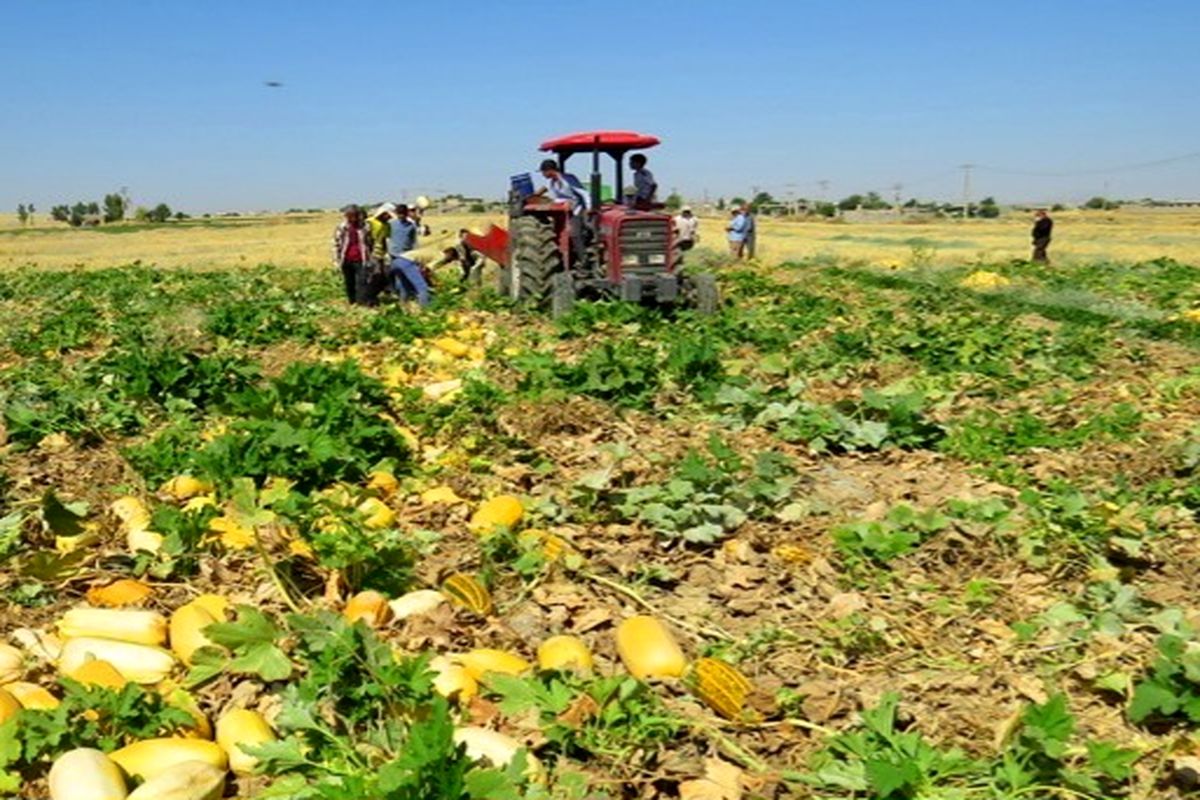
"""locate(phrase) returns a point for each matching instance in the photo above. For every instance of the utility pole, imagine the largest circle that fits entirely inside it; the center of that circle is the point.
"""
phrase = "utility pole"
(824, 184)
(966, 168)
(896, 187)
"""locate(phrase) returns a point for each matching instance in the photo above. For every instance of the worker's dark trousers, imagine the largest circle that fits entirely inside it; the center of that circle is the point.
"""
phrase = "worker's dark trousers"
(1039, 250)
(352, 277)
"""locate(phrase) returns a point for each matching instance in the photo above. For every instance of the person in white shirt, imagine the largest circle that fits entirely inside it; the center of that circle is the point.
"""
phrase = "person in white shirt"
(687, 229)
(561, 187)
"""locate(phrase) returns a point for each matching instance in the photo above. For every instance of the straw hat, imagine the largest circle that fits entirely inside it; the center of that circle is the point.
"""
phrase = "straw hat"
(422, 201)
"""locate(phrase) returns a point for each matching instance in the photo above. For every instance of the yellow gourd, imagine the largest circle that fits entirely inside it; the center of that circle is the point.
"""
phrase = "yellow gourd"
(214, 604)
(152, 757)
(185, 487)
(452, 680)
(86, 774)
(125, 592)
(191, 780)
(416, 603)
(12, 663)
(242, 727)
(383, 482)
(483, 660)
(495, 748)
(648, 649)
(564, 652)
(468, 592)
(9, 706)
(30, 695)
(369, 606)
(187, 630)
(720, 686)
(119, 624)
(136, 662)
(97, 672)
(502, 511)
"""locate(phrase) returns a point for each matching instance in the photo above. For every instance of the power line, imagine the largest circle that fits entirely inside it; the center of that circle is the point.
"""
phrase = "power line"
(1105, 171)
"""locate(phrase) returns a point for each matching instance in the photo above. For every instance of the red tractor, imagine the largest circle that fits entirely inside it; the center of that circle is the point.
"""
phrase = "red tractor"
(623, 253)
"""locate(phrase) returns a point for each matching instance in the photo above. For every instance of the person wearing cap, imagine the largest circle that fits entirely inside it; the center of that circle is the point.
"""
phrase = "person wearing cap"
(645, 187)
(565, 188)
(687, 229)
(352, 246)
(380, 229)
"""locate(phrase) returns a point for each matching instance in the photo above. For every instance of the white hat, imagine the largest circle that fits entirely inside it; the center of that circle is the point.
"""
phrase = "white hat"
(685, 208)
(388, 207)
(422, 201)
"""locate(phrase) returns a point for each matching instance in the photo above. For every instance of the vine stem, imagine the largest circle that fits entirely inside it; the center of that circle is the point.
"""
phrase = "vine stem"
(275, 579)
(700, 632)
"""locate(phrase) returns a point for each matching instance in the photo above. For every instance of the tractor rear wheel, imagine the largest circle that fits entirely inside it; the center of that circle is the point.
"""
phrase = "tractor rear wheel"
(562, 295)
(703, 294)
(535, 260)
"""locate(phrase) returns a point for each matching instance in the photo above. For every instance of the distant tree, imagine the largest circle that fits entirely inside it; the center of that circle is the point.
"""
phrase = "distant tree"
(850, 203)
(141, 214)
(477, 208)
(60, 213)
(22, 214)
(874, 202)
(1100, 204)
(761, 199)
(825, 209)
(674, 201)
(180, 215)
(1058, 207)
(114, 208)
(160, 213)
(912, 203)
(79, 211)
(737, 202)
(720, 204)
(93, 208)
(987, 208)
(31, 212)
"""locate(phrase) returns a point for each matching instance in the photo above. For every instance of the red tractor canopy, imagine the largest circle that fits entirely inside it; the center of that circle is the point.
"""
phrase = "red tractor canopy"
(615, 143)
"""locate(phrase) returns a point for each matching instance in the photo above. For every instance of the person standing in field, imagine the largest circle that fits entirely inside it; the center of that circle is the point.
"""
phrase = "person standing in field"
(1042, 227)
(407, 277)
(352, 246)
(751, 240)
(565, 188)
(736, 229)
(379, 225)
(645, 187)
(687, 229)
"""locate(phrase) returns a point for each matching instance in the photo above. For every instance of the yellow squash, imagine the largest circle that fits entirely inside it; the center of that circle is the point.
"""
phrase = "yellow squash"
(30, 695)
(124, 592)
(119, 624)
(86, 774)
(9, 705)
(416, 603)
(564, 652)
(483, 660)
(376, 514)
(369, 606)
(484, 744)
(502, 511)
(648, 649)
(97, 672)
(242, 727)
(185, 487)
(152, 757)
(191, 780)
(12, 663)
(453, 681)
(187, 630)
(136, 662)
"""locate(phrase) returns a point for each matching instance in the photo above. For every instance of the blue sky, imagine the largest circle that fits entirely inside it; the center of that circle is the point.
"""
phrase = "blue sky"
(390, 100)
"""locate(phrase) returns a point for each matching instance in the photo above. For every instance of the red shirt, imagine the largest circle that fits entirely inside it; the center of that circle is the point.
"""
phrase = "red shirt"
(354, 246)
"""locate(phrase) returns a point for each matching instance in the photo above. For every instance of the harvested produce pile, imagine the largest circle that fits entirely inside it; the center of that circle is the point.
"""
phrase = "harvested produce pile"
(864, 534)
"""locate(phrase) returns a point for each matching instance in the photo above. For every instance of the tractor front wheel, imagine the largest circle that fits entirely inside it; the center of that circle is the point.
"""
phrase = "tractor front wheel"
(562, 295)
(535, 261)
(703, 294)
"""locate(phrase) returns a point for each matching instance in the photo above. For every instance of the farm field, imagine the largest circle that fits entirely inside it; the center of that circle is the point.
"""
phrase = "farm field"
(936, 506)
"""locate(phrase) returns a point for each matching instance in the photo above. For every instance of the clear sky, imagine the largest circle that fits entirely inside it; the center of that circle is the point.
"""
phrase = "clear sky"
(394, 99)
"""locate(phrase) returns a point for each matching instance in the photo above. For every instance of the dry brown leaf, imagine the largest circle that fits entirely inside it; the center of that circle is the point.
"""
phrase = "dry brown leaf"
(721, 781)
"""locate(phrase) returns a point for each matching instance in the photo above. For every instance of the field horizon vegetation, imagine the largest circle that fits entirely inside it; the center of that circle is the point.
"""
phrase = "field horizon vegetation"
(921, 517)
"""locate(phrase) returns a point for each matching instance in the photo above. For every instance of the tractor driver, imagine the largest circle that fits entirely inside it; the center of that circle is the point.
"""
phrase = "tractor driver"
(645, 187)
(566, 188)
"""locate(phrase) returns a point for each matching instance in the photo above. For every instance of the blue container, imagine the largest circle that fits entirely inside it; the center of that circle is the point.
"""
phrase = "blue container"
(522, 184)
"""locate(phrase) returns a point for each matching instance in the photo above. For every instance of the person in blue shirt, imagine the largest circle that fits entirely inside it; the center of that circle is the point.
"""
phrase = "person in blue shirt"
(751, 239)
(407, 278)
(737, 232)
(645, 187)
(561, 187)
